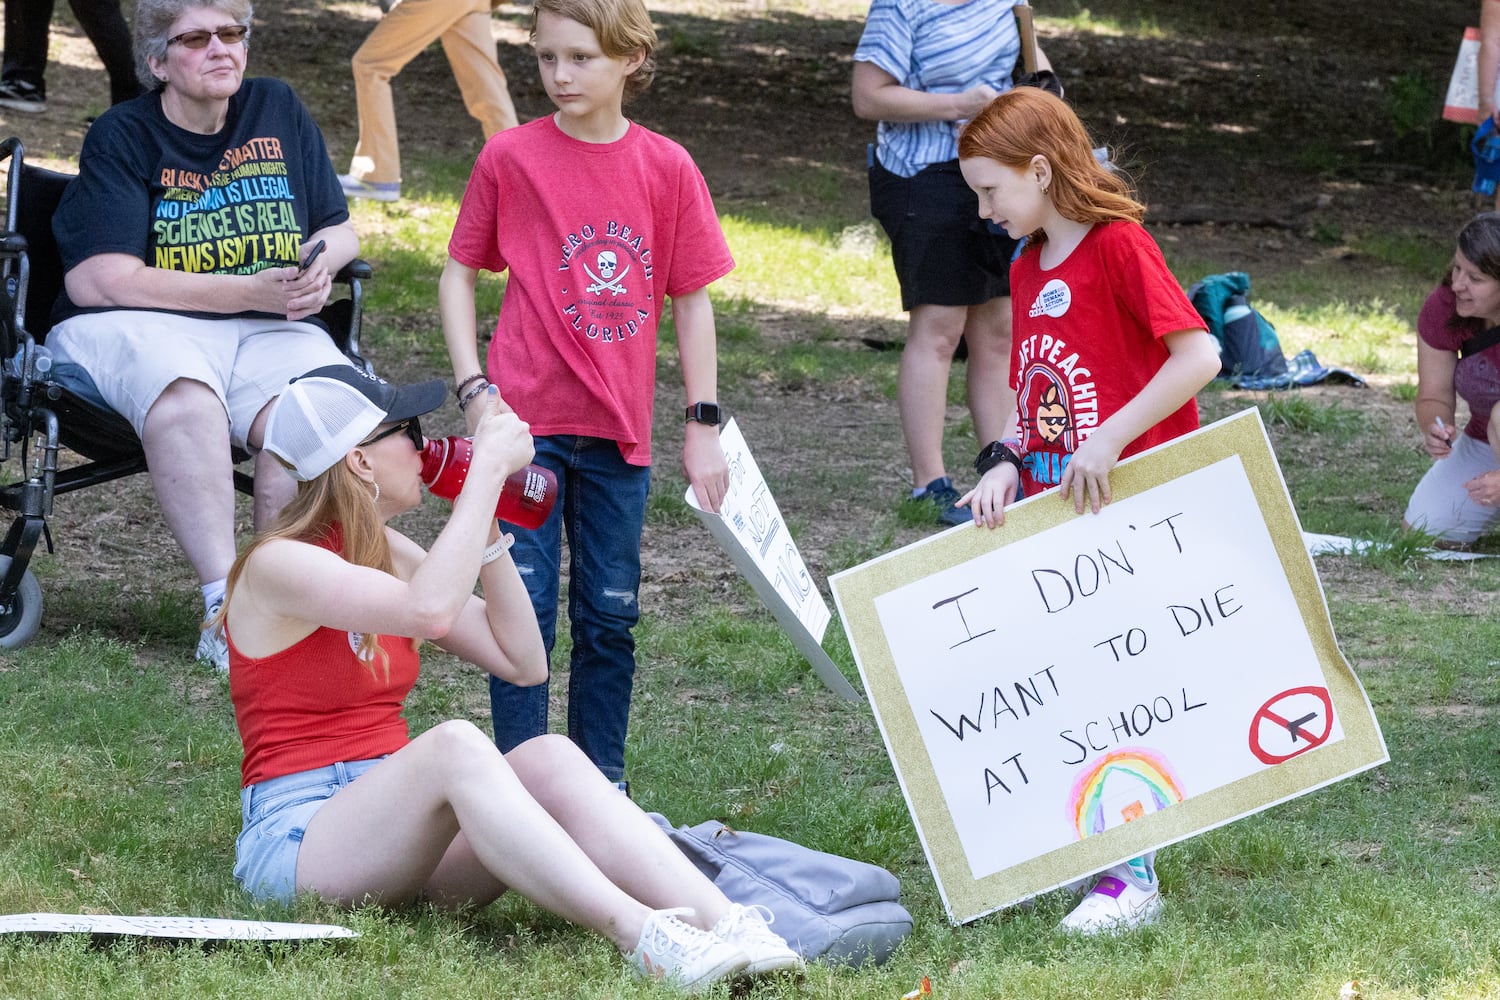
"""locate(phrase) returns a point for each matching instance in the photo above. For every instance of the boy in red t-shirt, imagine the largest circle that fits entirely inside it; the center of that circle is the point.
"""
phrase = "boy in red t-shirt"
(598, 221)
(1107, 354)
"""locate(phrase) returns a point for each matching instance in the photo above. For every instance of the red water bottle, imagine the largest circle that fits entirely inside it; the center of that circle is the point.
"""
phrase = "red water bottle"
(525, 500)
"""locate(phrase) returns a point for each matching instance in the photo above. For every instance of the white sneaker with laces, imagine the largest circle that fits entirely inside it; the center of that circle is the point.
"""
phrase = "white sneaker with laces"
(683, 956)
(213, 648)
(749, 929)
(1118, 902)
(371, 190)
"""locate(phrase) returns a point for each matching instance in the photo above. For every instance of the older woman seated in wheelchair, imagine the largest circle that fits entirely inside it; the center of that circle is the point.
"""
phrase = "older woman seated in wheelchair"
(188, 242)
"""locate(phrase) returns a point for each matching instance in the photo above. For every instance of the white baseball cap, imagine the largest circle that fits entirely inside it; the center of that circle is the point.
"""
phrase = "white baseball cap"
(321, 415)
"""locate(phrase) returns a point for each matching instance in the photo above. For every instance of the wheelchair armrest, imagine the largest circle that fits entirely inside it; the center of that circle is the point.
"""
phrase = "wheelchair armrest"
(13, 244)
(356, 269)
(344, 317)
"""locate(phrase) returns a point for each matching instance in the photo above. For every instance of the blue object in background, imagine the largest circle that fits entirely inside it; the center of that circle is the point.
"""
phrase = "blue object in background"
(1486, 148)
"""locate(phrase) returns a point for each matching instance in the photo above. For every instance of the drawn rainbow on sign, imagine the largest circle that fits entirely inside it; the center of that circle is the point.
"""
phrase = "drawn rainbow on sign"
(1086, 803)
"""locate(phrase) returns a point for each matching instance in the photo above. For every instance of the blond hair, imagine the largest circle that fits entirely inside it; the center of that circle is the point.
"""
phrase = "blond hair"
(335, 502)
(623, 28)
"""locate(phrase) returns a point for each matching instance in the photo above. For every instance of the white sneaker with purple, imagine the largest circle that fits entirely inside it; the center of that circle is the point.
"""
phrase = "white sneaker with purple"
(1122, 899)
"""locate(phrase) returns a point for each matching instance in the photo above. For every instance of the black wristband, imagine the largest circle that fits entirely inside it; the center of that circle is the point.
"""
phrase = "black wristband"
(993, 454)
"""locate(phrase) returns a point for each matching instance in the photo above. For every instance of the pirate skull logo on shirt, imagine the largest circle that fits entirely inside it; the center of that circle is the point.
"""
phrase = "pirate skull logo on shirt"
(605, 281)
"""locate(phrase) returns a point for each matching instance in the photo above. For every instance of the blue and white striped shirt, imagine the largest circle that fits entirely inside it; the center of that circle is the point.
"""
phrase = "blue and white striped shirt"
(939, 48)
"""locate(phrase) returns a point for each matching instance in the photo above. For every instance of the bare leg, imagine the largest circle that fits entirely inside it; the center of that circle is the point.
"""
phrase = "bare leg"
(186, 441)
(922, 386)
(274, 485)
(447, 780)
(626, 844)
(992, 402)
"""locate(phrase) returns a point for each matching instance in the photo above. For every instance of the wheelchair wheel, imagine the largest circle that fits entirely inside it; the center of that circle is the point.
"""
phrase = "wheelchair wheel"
(19, 622)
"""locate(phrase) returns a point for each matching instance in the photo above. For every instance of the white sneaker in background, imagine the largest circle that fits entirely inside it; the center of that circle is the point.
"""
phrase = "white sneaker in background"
(370, 190)
(213, 648)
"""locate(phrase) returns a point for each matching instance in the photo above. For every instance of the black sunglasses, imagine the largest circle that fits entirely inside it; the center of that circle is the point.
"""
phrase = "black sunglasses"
(230, 34)
(412, 427)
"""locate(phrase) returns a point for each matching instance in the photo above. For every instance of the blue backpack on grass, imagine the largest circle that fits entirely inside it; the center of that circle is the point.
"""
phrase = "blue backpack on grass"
(1248, 344)
(1249, 351)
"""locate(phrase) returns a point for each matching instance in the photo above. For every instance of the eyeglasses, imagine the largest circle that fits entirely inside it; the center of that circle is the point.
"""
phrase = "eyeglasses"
(230, 34)
(412, 428)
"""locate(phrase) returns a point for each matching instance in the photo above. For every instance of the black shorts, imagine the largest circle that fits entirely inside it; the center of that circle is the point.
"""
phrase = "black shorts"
(945, 254)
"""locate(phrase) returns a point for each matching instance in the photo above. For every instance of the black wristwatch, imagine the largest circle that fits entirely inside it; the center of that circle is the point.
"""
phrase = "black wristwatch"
(993, 454)
(704, 413)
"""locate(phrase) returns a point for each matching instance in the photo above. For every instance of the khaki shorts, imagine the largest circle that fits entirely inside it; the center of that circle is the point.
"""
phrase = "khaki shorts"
(133, 355)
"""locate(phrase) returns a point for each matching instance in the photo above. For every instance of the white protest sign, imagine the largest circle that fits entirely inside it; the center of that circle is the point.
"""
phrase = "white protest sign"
(174, 928)
(749, 527)
(1066, 692)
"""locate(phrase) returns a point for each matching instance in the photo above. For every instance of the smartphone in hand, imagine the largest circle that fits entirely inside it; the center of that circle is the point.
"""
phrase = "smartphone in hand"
(307, 261)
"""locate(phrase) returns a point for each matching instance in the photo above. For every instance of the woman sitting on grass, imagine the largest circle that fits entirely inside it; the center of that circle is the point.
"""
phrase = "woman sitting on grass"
(324, 615)
(1459, 497)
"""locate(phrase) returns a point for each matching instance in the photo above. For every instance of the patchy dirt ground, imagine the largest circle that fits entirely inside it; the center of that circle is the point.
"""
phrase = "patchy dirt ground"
(1263, 118)
(1261, 135)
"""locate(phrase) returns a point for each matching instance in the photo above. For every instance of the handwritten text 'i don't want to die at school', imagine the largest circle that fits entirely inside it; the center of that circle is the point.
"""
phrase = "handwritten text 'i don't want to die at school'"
(1061, 591)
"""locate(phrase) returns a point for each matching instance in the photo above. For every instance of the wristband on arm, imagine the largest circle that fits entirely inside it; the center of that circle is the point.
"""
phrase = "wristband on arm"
(997, 452)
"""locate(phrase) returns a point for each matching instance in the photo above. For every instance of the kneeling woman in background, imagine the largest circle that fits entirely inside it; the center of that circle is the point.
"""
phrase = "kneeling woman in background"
(1458, 355)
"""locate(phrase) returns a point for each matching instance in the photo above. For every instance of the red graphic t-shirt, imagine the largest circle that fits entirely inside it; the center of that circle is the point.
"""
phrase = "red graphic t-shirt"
(1086, 339)
(596, 236)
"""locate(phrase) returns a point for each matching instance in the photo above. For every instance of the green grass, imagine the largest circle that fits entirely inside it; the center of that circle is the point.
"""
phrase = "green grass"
(119, 762)
(847, 271)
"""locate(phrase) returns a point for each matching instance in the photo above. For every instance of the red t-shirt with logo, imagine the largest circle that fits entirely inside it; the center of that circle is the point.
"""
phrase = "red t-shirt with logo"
(1086, 338)
(596, 236)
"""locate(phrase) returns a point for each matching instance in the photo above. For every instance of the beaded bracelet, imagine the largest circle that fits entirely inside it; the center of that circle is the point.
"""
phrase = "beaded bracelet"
(458, 389)
(468, 397)
(499, 548)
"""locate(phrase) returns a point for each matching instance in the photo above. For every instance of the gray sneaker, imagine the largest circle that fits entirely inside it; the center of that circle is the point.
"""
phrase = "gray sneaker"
(213, 648)
(681, 955)
(18, 95)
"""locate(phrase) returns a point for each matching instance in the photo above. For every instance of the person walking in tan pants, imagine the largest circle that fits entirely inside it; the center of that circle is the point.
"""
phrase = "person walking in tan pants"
(410, 26)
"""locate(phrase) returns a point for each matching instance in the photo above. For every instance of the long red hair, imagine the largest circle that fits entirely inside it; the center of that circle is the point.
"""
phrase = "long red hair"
(1027, 121)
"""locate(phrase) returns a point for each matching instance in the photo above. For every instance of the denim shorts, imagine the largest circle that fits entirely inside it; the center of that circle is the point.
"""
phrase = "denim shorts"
(275, 814)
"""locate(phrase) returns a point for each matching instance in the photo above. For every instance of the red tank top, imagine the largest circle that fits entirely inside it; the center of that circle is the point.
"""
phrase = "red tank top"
(315, 703)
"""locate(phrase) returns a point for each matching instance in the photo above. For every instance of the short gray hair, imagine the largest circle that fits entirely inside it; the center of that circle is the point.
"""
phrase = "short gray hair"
(154, 19)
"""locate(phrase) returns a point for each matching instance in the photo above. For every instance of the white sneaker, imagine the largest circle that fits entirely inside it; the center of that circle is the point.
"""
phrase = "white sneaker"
(213, 648)
(680, 954)
(748, 928)
(1117, 902)
(371, 190)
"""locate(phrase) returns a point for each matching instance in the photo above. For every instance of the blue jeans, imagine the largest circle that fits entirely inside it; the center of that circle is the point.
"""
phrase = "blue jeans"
(602, 506)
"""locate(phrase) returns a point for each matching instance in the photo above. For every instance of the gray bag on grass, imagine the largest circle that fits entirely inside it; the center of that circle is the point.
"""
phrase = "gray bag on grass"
(826, 907)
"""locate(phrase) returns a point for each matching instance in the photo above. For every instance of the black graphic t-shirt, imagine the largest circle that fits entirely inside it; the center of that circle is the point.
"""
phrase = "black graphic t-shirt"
(235, 202)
